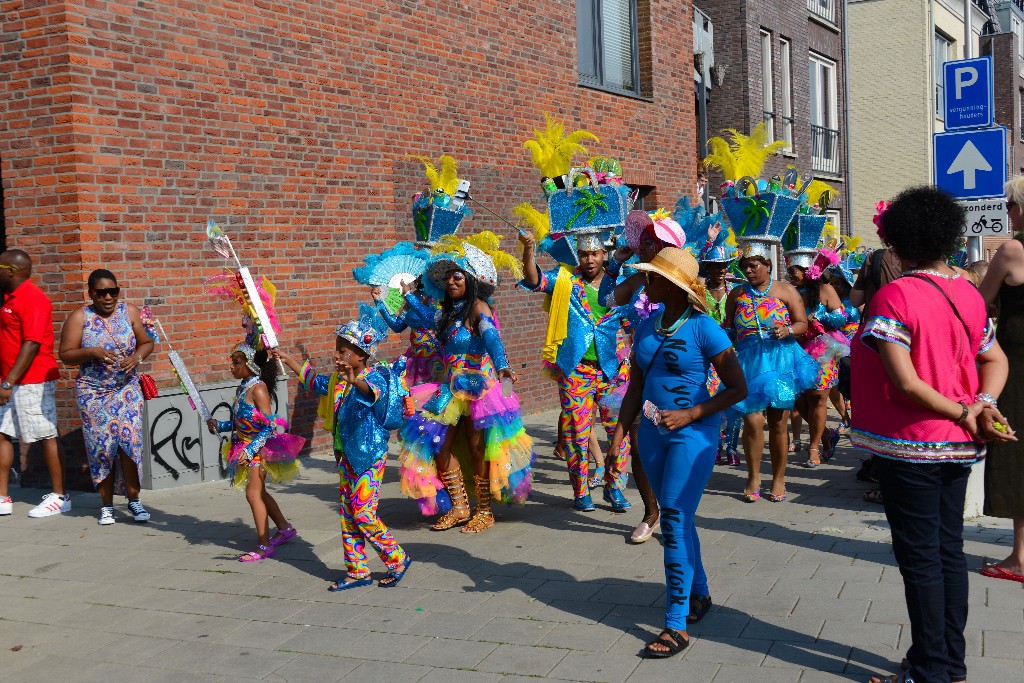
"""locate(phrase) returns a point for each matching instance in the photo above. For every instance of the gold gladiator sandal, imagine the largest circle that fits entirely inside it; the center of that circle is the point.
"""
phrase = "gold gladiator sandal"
(483, 519)
(459, 514)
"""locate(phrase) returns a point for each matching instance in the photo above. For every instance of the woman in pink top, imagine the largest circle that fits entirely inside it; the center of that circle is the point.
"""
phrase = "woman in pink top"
(925, 373)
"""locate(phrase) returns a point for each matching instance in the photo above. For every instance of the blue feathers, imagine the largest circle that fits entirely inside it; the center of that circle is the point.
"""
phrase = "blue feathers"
(403, 262)
(695, 222)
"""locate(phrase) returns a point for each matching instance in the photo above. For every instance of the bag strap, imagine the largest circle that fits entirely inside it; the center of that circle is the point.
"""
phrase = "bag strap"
(945, 296)
(876, 268)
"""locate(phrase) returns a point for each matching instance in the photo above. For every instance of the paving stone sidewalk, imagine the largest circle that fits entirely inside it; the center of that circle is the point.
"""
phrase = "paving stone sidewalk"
(805, 591)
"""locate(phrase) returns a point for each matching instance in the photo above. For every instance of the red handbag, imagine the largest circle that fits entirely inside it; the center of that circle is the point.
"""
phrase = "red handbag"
(149, 389)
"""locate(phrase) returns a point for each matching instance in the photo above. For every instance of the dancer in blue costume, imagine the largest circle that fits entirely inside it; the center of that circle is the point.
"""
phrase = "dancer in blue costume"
(673, 352)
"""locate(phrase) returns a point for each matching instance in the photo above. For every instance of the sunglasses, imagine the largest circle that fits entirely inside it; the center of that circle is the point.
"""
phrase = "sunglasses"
(4, 266)
(112, 292)
(456, 276)
(1009, 205)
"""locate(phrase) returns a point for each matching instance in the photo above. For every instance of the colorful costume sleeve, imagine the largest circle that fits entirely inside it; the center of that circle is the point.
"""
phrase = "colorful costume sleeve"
(546, 284)
(419, 315)
(224, 426)
(311, 381)
(260, 440)
(609, 281)
(377, 384)
(492, 342)
(705, 250)
(988, 338)
(395, 322)
(889, 320)
(832, 320)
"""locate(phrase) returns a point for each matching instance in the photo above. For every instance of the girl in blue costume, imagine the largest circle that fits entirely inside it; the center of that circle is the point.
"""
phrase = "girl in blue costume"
(673, 352)
(766, 318)
(471, 398)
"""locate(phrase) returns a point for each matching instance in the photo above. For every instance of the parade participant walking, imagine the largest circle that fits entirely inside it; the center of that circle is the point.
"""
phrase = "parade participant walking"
(256, 450)
(926, 374)
(587, 362)
(361, 397)
(645, 236)
(28, 380)
(1004, 466)
(767, 317)
(472, 401)
(824, 342)
(678, 436)
(108, 339)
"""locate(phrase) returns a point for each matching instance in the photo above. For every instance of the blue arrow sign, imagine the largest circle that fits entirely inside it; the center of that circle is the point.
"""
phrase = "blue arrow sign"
(969, 99)
(971, 164)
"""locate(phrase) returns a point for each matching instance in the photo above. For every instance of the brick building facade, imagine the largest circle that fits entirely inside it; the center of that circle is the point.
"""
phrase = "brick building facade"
(784, 64)
(127, 124)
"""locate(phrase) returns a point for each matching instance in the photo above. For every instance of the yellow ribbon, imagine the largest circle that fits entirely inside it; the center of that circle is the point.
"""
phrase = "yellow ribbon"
(325, 408)
(557, 306)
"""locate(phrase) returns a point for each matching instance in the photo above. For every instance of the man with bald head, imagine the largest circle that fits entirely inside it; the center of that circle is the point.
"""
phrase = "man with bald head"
(28, 380)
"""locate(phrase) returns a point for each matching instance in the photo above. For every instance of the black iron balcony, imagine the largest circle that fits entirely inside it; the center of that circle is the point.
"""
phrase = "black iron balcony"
(824, 150)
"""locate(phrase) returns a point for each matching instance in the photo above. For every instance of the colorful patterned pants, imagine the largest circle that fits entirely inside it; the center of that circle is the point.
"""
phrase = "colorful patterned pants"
(580, 393)
(359, 521)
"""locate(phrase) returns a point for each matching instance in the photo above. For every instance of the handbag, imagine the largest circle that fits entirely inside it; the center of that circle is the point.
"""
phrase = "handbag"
(149, 389)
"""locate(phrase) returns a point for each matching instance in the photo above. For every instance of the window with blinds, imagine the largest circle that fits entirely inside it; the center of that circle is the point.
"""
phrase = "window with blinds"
(606, 35)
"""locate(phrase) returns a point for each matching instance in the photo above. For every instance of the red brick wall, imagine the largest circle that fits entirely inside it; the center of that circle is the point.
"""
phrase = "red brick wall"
(127, 124)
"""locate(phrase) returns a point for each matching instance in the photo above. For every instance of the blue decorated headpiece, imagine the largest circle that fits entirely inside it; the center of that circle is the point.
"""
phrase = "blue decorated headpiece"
(366, 332)
(591, 213)
(399, 265)
(436, 215)
(803, 238)
(697, 222)
(759, 220)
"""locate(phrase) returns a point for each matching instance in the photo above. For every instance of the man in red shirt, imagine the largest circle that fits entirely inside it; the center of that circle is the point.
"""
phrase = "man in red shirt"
(28, 380)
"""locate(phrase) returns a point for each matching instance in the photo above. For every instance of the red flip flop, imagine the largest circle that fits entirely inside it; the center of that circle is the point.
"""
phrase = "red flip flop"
(996, 572)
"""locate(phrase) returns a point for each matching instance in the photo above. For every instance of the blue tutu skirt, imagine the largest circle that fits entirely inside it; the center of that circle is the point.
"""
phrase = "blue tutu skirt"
(777, 372)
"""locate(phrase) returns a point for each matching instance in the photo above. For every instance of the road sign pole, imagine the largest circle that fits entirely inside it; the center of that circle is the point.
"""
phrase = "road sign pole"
(974, 249)
(968, 30)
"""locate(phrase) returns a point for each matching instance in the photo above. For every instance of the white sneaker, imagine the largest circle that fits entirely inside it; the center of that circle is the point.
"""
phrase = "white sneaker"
(6, 506)
(139, 512)
(52, 504)
(107, 516)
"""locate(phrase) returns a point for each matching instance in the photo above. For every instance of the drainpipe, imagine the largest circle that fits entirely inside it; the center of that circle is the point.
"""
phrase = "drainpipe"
(846, 115)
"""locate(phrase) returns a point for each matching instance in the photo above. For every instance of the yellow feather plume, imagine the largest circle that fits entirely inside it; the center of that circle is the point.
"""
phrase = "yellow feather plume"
(538, 223)
(486, 242)
(447, 179)
(851, 244)
(730, 237)
(743, 155)
(830, 235)
(552, 150)
(814, 190)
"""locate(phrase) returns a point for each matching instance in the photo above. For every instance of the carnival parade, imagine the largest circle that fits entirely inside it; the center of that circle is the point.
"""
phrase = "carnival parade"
(677, 341)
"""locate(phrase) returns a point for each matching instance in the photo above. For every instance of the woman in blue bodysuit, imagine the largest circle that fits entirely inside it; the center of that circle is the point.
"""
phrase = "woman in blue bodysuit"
(678, 435)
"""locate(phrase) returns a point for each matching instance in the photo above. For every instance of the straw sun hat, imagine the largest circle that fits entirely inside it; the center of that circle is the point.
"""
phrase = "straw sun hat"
(680, 268)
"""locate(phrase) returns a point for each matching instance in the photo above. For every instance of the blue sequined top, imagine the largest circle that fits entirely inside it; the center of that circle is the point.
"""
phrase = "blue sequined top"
(459, 341)
(359, 437)
(583, 331)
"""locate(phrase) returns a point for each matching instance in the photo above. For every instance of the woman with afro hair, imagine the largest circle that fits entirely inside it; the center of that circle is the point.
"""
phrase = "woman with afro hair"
(926, 371)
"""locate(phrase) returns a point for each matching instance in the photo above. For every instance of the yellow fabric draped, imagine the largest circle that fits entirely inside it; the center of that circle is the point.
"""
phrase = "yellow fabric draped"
(557, 306)
(325, 408)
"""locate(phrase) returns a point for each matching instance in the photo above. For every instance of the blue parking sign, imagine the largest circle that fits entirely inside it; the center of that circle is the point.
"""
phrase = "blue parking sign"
(969, 95)
(971, 164)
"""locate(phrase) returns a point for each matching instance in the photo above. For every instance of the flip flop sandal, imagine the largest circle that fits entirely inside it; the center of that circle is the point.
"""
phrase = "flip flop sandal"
(283, 536)
(343, 585)
(261, 553)
(395, 575)
(776, 499)
(993, 571)
(674, 648)
(752, 497)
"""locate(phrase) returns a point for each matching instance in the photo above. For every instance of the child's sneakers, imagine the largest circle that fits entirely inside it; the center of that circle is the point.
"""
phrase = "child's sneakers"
(52, 504)
(6, 505)
(138, 512)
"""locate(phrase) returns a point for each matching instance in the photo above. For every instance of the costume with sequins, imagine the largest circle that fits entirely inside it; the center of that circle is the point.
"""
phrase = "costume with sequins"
(421, 356)
(777, 370)
(826, 343)
(589, 371)
(361, 452)
(255, 441)
(471, 361)
(852, 324)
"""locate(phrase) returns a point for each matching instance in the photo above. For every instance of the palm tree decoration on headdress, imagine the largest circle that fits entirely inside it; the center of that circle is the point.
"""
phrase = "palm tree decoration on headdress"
(742, 155)
(552, 150)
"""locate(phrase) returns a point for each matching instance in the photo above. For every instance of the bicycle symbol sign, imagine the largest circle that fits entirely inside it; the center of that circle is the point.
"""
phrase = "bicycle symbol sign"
(985, 218)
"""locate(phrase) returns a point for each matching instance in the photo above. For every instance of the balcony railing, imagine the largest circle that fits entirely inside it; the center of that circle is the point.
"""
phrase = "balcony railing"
(824, 150)
(826, 9)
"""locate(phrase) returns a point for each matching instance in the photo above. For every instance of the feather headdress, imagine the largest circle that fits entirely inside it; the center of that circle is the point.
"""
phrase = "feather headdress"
(742, 155)
(538, 222)
(488, 243)
(552, 150)
(447, 179)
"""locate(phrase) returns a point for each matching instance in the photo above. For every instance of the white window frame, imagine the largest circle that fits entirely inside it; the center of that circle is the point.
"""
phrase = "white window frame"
(942, 48)
(1018, 33)
(767, 84)
(829, 118)
(786, 96)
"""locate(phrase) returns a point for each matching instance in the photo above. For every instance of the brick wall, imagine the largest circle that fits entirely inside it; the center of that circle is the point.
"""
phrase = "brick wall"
(739, 103)
(127, 124)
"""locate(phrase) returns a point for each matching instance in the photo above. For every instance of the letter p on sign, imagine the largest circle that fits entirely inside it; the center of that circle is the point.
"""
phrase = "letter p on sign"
(964, 77)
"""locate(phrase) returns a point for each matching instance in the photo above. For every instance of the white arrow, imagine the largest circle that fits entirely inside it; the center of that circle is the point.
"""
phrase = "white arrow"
(969, 161)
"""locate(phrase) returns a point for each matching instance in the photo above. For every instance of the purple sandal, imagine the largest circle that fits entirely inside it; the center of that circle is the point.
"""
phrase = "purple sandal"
(262, 552)
(283, 536)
